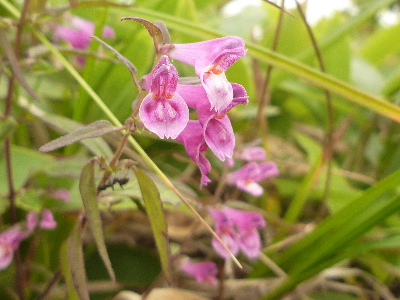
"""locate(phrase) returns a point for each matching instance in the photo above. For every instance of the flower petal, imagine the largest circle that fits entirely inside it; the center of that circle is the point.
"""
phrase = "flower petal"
(75, 37)
(224, 229)
(230, 239)
(253, 153)
(250, 243)
(251, 187)
(266, 169)
(219, 136)
(164, 117)
(244, 220)
(6, 255)
(47, 221)
(31, 220)
(219, 90)
(202, 271)
(193, 140)
(194, 95)
(210, 59)
(222, 52)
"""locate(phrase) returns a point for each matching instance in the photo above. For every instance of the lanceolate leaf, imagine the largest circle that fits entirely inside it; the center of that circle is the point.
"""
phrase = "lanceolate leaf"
(154, 209)
(87, 187)
(64, 125)
(95, 129)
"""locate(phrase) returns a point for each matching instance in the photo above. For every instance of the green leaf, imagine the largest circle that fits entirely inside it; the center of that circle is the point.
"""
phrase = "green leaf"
(154, 208)
(64, 125)
(381, 44)
(87, 187)
(76, 263)
(95, 129)
(25, 162)
(392, 84)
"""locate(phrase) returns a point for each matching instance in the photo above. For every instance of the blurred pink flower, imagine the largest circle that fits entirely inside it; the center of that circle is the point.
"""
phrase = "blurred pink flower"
(47, 221)
(201, 271)
(211, 59)
(247, 177)
(78, 33)
(252, 154)
(238, 230)
(13, 236)
(62, 194)
(163, 111)
(31, 221)
(246, 224)
(224, 227)
(9, 242)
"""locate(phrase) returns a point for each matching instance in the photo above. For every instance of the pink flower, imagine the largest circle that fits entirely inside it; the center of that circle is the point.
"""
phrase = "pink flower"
(47, 221)
(253, 153)
(247, 223)
(62, 194)
(201, 271)
(217, 128)
(225, 230)
(9, 242)
(78, 33)
(245, 237)
(211, 59)
(163, 111)
(246, 177)
(31, 221)
(193, 140)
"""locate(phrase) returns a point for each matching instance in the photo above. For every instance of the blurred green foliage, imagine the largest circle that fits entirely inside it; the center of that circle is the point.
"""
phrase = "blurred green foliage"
(320, 214)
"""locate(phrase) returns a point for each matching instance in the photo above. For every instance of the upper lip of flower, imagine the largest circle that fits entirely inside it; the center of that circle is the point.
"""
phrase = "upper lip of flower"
(211, 59)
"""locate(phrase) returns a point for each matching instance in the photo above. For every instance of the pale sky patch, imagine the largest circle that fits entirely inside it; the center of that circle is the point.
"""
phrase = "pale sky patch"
(316, 9)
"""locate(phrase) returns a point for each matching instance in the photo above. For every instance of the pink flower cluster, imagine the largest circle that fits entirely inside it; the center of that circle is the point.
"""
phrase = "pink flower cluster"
(238, 230)
(13, 236)
(247, 177)
(165, 110)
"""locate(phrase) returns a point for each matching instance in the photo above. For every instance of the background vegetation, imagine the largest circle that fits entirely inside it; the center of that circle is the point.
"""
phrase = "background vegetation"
(323, 103)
